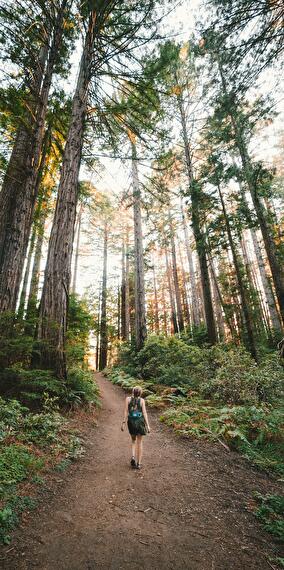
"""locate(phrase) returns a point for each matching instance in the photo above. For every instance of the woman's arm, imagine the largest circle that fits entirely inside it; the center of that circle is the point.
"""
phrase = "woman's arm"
(125, 413)
(145, 413)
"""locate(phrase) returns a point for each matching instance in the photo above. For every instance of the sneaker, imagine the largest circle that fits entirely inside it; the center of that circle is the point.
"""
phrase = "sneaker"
(138, 466)
(133, 462)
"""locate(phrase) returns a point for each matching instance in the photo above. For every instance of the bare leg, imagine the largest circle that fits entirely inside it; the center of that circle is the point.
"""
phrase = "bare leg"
(133, 445)
(139, 448)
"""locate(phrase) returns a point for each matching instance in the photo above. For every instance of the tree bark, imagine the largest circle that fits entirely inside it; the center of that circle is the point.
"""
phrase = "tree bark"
(156, 302)
(184, 291)
(277, 270)
(55, 295)
(75, 272)
(20, 197)
(198, 233)
(172, 299)
(249, 337)
(23, 295)
(193, 285)
(176, 279)
(98, 333)
(140, 308)
(103, 325)
(266, 285)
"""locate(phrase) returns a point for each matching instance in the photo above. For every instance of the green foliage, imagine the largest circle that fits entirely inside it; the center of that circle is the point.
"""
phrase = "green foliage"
(80, 388)
(9, 515)
(41, 429)
(218, 393)
(17, 463)
(79, 324)
(270, 512)
(238, 380)
(30, 442)
(169, 360)
(15, 345)
(257, 432)
(128, 382)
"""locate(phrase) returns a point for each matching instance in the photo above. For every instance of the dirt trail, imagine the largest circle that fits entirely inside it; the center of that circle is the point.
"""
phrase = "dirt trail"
(186, 510)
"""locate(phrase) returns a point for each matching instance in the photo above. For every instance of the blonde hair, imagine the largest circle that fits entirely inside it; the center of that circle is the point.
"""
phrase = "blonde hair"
(136, 392)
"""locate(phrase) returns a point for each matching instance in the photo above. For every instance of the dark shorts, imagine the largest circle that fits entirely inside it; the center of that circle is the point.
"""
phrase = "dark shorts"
(136, 426)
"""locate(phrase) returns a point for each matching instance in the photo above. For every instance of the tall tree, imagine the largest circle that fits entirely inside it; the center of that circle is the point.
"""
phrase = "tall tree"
(19, 191)
(103, 318)
(140, 302)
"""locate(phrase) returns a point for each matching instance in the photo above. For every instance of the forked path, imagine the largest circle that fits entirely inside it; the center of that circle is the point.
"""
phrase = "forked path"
(186, 510)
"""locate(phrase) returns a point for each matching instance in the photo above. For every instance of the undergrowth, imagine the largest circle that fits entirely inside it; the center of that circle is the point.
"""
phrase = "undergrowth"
(270, 512)
(30, 445)
(216, 393)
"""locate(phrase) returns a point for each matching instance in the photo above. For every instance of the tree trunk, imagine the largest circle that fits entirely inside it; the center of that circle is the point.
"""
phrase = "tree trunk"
(266, 285)
(184, 291)
(156, 302)
(198, 233)
(98, 333)
(249, 337)
(140, 309)
(176, 279)
(31, 312)
(165, 316)
(22, 191)
(23, 295)
(103, 327)
(125, 289)
(277, 270)
(172, 299)
(75, 273)
(193, 285)
(55, 295)
(219, 303)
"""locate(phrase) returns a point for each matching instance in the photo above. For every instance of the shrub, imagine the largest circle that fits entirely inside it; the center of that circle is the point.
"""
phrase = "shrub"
(270, 512)
(15, 345)
(169, 360)
(80, 388)
(238, 379)
(17, 462)
(29, 386)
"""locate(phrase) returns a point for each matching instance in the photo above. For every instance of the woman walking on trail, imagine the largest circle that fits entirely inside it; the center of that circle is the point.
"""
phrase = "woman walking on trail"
(138, 424)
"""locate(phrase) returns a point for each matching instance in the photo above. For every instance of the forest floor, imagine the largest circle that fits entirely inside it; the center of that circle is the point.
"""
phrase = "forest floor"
(189, 508)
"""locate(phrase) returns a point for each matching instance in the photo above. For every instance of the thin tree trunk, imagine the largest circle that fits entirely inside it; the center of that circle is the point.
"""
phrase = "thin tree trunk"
(98, 333)
(184, 291)
(249, 338)
(103, 327)
(118, 312)
(22, 194)
(198, 233)
(127, 293)
(176, 279)
(193, 285)
(266, 285)
(140, 308)
(55, 296)
(31, 311)
(165, 316)
(23, 295)
(172, 299)
(222, 303)
(277, 270)
(156, 302)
